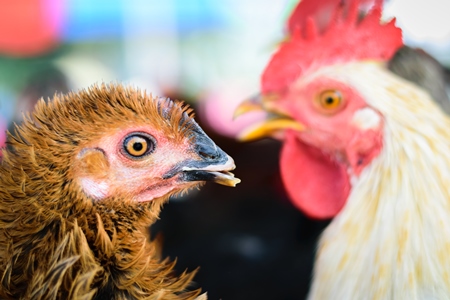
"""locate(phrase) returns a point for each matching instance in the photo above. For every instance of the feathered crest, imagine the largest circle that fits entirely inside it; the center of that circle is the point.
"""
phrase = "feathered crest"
(324, 32)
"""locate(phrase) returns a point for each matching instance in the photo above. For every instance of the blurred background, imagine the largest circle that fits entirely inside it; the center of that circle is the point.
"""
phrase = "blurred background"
(250, 242)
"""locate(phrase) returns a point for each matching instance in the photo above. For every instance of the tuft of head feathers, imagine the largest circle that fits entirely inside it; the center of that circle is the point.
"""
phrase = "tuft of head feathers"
(93, 111)
(325, 32)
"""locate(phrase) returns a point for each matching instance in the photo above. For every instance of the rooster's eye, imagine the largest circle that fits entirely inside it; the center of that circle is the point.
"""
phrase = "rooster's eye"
(138, 145)
(330, 100)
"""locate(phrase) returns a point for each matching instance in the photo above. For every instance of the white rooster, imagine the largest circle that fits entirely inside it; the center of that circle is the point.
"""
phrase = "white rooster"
(363, 145)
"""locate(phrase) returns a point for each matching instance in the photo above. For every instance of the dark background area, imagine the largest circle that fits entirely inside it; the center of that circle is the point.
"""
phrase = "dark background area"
(249, 241)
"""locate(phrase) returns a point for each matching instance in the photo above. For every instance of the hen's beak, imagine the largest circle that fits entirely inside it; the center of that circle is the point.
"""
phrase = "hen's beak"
(274, 123)
(208, 162)
(219, 173)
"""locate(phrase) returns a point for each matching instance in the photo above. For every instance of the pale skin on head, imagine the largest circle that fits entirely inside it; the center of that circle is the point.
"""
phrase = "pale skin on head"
(104, 168)
(366, 118)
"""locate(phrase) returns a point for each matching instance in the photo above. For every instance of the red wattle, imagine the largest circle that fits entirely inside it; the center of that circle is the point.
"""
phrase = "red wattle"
(316, 184)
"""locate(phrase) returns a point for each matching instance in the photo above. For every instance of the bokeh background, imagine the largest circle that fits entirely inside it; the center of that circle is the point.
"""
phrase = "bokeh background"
(250, 242)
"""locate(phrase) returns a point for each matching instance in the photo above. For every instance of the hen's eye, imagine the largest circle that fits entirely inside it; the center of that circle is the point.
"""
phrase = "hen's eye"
(138, 145)
(330, 100)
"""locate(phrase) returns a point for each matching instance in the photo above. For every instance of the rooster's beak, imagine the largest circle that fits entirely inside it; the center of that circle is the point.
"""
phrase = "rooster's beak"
(255, 103)
(274, 122)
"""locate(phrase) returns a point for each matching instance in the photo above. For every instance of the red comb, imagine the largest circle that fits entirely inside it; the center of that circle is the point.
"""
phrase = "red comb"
(324, 32)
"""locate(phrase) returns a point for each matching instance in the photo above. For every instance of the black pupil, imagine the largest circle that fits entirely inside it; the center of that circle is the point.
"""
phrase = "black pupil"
(329, 100)
(138, 146)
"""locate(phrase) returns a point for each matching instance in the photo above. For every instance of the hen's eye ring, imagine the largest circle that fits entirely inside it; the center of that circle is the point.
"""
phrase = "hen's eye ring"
(137, 145)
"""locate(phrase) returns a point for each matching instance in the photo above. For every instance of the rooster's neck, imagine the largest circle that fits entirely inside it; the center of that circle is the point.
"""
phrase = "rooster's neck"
(392, 238)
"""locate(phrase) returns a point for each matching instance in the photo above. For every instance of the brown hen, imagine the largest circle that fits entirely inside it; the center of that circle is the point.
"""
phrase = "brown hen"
(81, 181)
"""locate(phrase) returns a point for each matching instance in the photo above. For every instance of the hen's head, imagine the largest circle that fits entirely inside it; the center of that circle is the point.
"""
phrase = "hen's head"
(322, 90)
(114, 142)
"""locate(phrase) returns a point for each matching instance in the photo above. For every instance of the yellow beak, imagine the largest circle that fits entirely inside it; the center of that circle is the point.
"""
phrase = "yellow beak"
(269, 128)
(275, 122)
(252, 104)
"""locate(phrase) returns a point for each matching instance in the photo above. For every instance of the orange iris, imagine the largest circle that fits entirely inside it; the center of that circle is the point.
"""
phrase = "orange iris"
(329, 101)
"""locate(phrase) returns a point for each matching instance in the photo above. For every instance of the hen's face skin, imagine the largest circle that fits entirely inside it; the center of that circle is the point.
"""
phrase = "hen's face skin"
(143, 163)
